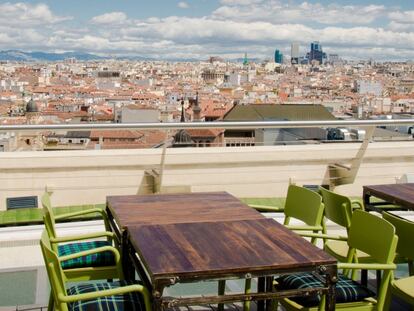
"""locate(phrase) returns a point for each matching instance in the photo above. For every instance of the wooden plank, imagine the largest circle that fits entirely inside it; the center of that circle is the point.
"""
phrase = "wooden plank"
(214, 249)
(173, 208)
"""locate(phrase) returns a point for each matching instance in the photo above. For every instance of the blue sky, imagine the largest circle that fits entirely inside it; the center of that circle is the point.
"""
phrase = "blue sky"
(163, 8)
(164, 29)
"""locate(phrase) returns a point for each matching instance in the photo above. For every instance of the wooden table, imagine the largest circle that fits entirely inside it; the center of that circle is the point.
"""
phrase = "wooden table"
(400, 194)
(132, 210)
(127, 210)
(212, 236)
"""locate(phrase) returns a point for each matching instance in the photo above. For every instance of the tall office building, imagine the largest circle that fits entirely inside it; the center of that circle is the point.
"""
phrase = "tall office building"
(294, 53)
(316, 53)
(245, 61)
(278, 57)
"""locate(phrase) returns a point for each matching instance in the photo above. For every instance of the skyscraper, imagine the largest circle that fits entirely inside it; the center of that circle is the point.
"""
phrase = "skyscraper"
(316, 53)
(294, 53)
(245, 61)
(278, 57)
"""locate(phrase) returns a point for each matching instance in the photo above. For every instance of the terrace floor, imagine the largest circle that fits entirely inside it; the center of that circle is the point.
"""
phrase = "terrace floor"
(27, 288)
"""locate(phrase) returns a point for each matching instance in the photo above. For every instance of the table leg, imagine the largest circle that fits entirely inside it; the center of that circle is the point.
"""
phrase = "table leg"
(221, 292)
(364, 277)
(261, 287)
(129, 272)
(157, 299)
(366, 201)
(269, 289)
(331, 279)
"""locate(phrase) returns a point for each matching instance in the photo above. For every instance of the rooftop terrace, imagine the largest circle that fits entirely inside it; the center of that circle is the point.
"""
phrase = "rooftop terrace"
(78, 179)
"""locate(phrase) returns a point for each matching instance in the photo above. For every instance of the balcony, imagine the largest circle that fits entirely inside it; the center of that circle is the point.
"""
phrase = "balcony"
(86, 177)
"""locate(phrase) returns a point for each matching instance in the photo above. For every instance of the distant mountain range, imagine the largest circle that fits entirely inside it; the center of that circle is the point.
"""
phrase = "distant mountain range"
(21, 56)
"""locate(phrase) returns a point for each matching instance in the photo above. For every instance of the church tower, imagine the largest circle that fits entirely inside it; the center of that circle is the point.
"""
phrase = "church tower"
(196, 110)
(32, 112)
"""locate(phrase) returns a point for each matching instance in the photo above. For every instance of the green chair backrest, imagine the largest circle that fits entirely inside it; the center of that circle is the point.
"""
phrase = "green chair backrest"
(374, 236)
(53, 268)
(338, 208)
(405, 232)
(305, 205)
(48, 216)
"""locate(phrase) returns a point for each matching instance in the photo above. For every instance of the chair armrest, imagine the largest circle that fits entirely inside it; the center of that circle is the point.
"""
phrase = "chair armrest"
(367, 266)
(80, 213)
(323, 236)
(304, 228)
(108, 292)
(92, 251)
(80, 237)
(267, 208)
(358, 203)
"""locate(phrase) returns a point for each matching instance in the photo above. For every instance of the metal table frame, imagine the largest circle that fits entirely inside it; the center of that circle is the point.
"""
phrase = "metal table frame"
(132, 263)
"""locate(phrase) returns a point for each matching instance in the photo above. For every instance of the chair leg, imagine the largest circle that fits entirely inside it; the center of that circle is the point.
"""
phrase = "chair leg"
(379, 276)
(51, 304)
(247, 290)
(388, 298)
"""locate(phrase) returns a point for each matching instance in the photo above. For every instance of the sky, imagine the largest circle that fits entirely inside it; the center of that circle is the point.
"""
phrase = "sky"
(197, 29)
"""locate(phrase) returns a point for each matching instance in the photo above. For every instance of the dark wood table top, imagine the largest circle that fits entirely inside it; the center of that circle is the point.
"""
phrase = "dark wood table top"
(173, 208)
(401, 194)
(218, 249)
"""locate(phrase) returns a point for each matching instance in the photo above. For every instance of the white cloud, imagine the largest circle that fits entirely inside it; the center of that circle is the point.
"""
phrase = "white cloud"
(238, 26)
(396, 26)
(276, 11)
(206, 30)
(25, 14)
(183, 5)
(240, 2)
(110, 18)
(406, 17)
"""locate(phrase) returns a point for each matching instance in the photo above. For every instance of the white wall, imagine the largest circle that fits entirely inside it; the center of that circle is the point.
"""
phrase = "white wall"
(84, 177)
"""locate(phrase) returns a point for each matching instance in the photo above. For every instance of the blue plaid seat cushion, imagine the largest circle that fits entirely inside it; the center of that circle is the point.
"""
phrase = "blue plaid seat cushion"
(347, 290)
(106, 258)
(130, 301)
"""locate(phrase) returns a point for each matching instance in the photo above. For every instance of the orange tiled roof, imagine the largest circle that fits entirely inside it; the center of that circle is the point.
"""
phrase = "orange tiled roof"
(121, 134)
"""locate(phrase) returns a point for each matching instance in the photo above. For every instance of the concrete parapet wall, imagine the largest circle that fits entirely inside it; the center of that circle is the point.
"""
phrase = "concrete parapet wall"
(83, 177)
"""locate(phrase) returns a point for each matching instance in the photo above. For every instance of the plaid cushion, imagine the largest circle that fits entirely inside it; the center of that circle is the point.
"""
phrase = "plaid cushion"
(106, 258)
(347, 290)
(130, 301)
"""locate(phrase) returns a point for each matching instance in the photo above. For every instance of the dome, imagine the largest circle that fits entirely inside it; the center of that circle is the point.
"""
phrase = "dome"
(182, 139)
(31, 106)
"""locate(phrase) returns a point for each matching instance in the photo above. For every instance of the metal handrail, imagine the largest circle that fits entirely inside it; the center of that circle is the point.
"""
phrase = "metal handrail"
(206, 125)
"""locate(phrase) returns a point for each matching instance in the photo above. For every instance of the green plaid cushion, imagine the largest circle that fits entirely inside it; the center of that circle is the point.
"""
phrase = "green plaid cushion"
(347, 290)
(130, 301)
(106, 258)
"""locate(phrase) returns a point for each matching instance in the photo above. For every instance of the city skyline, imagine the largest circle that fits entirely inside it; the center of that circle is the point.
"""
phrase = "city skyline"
(196, 29)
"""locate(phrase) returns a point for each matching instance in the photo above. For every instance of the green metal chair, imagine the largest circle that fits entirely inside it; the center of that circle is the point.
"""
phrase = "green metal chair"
(403, 288)
(405, 231)
(105, 296)
(104, 263)
(339, 209)
(301, 204)
(363, 236)
(101, 265)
